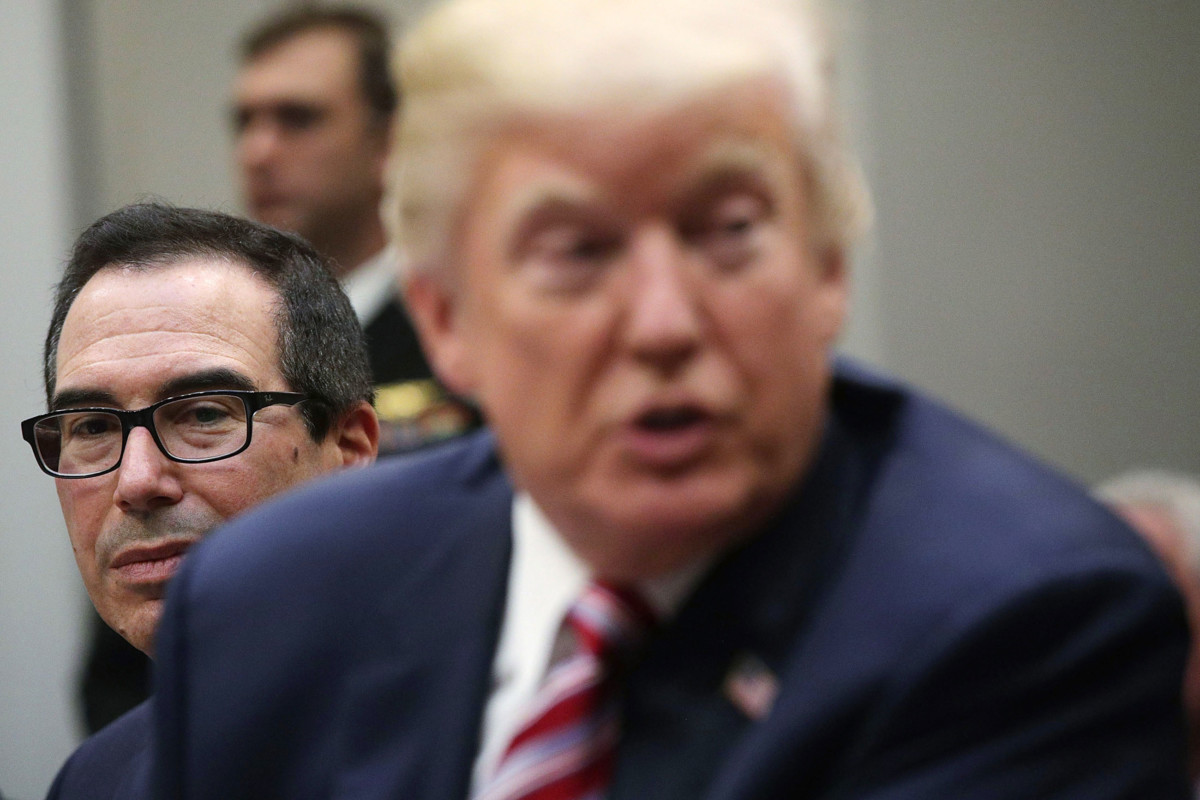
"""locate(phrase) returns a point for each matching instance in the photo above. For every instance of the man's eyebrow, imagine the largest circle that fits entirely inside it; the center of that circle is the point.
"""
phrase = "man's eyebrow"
(557, 201)
(217, 378)
(731, 166)
(556, 194)
(733, 156)
(80, 398)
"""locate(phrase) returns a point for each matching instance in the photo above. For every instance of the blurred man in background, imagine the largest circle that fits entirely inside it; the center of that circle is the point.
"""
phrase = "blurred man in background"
(314, 107)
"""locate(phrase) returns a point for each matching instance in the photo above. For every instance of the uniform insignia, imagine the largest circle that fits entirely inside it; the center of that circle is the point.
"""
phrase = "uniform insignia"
(413, 414)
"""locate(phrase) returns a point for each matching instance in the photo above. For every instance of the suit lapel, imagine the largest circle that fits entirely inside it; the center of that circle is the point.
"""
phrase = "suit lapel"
(412, 721)
(712, 672)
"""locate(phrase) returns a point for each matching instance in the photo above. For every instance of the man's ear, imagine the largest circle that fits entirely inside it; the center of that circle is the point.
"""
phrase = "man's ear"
(356, 436)
(433, 307)
(833, 292)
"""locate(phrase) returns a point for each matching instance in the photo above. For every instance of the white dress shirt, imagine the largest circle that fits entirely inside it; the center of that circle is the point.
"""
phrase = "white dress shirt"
(372, 284)
(545, 578)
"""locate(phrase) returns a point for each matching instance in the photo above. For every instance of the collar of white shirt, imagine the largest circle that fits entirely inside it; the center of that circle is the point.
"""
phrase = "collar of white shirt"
(372, 284)
(544, 578)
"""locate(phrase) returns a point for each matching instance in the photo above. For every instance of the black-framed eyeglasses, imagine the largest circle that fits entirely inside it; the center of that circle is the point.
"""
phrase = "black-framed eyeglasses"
(191, 429)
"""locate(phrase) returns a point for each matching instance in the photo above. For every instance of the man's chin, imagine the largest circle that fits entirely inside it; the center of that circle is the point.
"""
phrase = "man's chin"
(139, 625)
(276, 213)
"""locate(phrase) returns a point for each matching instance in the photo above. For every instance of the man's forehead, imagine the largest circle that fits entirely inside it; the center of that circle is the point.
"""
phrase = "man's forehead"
(132, 330)
(307, 66)
(186, 284)
(669, 152)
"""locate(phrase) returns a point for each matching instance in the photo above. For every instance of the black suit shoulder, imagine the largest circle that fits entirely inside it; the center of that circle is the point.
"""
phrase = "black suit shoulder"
(949, 517)
(990, 625)
(364, 537)
(393, 348)
(964, 493)
(388, 505)
(399, 566)
(112, 764)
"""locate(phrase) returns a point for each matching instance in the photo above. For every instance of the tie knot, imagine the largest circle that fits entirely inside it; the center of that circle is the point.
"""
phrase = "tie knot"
(609, 621)
(565, 748)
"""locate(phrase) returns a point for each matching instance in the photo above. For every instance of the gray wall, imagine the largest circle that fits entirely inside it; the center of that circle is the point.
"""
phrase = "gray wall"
(1035, 167)
(41, 603)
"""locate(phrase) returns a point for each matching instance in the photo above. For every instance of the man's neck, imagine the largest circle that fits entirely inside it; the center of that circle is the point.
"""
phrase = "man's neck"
(352, 248)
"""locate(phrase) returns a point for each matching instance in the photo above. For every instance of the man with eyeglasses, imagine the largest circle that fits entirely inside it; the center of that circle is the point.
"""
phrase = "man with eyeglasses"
(195, 365)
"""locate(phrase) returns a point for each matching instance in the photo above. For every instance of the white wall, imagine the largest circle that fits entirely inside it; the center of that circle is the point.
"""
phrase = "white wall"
(40, 598)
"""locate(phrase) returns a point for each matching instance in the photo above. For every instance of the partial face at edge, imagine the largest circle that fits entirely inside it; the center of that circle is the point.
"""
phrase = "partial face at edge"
(646, 321)
(132, 338)
(1169, 542)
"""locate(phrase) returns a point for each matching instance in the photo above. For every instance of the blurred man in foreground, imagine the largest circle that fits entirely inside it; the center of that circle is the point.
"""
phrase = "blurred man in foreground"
(694, 559)
(195, 365)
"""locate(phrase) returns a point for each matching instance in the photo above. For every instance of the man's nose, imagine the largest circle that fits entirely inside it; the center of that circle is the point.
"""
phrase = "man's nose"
(146, 478)
(257, 143)
(665, 318)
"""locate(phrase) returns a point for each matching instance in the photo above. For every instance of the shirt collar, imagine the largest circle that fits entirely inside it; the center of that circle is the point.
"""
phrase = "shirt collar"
(372, 284)
(548, 575)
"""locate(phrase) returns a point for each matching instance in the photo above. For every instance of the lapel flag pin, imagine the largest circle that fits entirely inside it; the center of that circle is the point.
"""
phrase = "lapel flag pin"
(751, 686)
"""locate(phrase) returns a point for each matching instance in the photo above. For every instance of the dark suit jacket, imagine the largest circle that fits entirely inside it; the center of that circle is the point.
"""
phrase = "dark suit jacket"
(113, 764)
(942, 618)
(116, 675)
(393, 347)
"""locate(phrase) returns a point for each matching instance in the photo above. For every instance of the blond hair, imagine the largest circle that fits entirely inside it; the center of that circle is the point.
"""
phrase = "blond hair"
(473, 65)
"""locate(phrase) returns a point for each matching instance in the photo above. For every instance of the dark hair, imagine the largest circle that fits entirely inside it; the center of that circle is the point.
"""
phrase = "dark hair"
(369, 31)
(322, 349)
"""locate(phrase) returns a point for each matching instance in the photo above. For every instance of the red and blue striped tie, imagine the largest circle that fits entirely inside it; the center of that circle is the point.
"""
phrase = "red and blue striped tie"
(565, 749)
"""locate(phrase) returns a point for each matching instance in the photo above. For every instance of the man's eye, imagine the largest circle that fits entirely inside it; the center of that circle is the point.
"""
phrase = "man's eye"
(572, 244)
(729, 231)
(90, 425)
(298, 118)
(568, 256)
(207, 415)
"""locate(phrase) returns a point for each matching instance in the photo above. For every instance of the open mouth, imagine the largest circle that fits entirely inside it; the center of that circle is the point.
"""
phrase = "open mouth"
(668, 420)
(671, 437)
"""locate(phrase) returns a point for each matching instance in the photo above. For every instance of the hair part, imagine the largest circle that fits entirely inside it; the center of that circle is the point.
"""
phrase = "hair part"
(367, 28)
(321, 346)
(472, 66)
